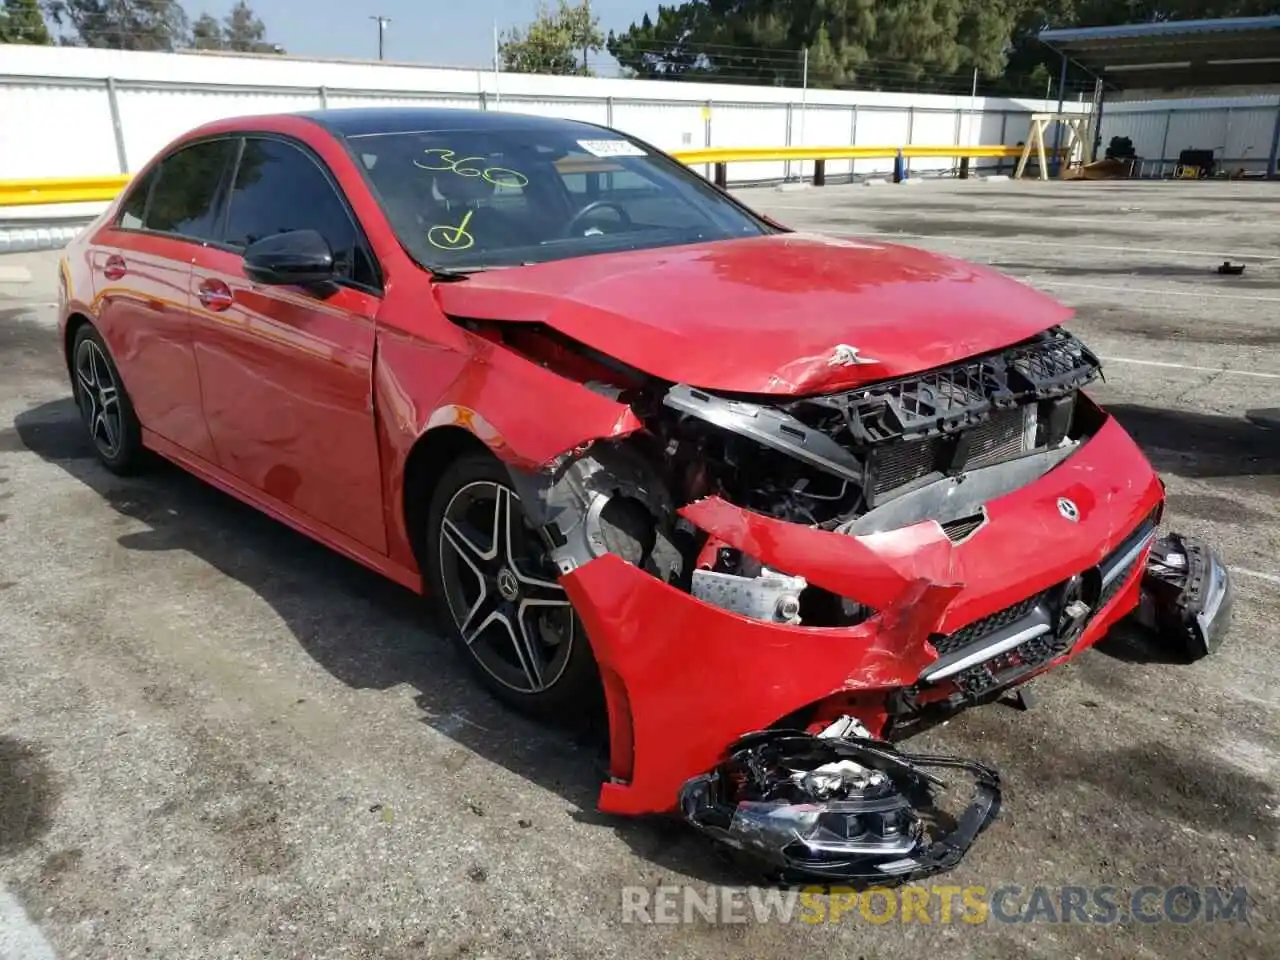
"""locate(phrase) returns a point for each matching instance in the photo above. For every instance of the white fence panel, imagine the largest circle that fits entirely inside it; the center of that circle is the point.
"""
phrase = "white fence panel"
(588, 111)
(822, 126)
(372, 98)
(151, 118)
(879, 127)
(750, 125)
(49, 130)
(930, 128)
(1249, 133)
(665, 125)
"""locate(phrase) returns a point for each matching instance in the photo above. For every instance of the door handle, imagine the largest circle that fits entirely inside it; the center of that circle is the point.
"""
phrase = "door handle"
(115, 267)
(215, 295)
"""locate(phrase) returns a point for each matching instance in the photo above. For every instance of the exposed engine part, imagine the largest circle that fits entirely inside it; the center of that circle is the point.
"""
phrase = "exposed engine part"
(1187, 595)
(606, 500)
(846, 726)
(836, 808)
(832, 460)
(770, 596)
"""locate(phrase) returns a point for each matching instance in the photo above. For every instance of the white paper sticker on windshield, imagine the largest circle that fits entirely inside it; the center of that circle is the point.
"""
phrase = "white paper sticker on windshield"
(611, 148)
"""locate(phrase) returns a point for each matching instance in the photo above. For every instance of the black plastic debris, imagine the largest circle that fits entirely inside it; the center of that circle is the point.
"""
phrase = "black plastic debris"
(1230, 269)
(1187, 595)
(837, 809)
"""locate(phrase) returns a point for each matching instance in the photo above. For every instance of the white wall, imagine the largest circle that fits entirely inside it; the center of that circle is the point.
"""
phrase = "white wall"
(57, 119)
(1239, 129)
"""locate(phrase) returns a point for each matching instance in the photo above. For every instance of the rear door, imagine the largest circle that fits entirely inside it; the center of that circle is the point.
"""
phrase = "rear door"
(286, 372)
(142, 276)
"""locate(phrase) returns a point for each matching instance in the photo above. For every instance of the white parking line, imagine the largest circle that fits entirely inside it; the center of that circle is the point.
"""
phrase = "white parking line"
(1154, 251)
(1256, 574)
(1190, 366)
(1155, 293)
(20, 939)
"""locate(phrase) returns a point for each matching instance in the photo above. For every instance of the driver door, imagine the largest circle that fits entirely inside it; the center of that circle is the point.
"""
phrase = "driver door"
(285, 372)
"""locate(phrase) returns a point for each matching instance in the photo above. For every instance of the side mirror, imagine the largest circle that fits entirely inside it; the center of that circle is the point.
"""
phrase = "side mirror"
(298, 257)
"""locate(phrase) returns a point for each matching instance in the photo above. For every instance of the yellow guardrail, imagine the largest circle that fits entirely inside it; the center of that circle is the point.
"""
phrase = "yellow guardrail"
(19, 193)
(721, 157)
(758, 154)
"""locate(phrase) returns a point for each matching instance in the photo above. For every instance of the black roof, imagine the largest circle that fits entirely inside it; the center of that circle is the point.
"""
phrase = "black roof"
(362, 121)
(1176, 53)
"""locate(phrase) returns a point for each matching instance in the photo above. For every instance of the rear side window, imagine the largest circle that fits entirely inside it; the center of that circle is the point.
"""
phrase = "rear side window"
(280, 188)
(185, 198)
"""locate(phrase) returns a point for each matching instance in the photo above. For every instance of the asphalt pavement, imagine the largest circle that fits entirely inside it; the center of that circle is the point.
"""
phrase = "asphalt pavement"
(218, 739)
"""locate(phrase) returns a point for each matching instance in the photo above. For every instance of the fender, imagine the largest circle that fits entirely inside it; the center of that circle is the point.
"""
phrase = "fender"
(420, 385)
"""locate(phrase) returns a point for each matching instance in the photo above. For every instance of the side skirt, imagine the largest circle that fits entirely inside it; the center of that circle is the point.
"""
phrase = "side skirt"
(308, 527)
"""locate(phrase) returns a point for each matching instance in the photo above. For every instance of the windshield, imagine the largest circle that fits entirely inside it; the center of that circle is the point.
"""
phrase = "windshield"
(471, 199)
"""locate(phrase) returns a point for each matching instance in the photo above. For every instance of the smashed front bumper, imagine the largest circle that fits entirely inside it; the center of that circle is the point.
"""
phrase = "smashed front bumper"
(684, 679)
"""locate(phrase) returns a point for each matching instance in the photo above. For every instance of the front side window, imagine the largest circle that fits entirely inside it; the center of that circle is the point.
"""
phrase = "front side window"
(279, 188)
(471, 199)
(184, 200)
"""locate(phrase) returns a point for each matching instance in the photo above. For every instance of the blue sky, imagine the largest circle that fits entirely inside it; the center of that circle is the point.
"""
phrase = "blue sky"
(447, 32)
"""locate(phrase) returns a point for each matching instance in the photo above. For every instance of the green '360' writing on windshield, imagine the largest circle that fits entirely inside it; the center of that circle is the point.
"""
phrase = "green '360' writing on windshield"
(448, 160)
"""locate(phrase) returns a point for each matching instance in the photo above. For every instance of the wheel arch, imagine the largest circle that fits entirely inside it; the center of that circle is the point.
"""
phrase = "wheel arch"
(74, 322)
(426, 463)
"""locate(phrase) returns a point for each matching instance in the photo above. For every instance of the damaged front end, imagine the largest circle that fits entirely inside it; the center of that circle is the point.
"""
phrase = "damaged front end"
(838, 806)
(776, 563)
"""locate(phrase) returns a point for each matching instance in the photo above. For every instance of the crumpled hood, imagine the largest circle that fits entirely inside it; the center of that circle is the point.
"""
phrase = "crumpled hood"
(781, 314)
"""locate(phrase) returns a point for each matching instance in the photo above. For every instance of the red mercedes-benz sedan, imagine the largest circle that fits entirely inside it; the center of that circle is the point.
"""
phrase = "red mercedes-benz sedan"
(638, 441)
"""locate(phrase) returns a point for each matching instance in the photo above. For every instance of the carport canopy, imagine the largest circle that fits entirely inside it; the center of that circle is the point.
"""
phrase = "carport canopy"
(1175, 54)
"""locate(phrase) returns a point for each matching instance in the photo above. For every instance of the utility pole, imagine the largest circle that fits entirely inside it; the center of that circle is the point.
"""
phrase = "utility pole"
(382, 29)
(586, 32)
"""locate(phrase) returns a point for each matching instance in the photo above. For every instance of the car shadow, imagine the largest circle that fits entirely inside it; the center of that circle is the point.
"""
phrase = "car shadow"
(1200, 445)
(364, 630)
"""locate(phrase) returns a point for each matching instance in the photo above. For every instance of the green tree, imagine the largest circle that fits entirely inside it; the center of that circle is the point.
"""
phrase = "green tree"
(206, 33)
(123, 24)
(552, 42)
(887, 45)
(245, 32)
(901, 44)
(22, 22)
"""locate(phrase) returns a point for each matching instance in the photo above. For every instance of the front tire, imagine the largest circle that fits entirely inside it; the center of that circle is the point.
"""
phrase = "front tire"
(494, 582)
(104, 404)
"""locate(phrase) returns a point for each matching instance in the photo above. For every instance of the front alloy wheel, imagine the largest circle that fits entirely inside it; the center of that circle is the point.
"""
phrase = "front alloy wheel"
(492, 571)
(517, 623)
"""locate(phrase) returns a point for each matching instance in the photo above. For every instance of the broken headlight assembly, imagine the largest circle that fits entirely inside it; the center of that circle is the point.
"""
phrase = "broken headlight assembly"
(837, 806)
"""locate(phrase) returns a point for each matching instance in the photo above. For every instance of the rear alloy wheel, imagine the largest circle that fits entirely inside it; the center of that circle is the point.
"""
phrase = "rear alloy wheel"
(104, 406)
(492, 572)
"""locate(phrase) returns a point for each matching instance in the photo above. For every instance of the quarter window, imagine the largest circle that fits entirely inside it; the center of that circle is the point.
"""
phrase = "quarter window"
(134, 209)
(279, 188)
(185, 199)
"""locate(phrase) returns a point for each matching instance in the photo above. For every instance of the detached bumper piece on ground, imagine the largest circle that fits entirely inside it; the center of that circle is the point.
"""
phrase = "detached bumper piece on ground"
(835, 808)
(841, 806)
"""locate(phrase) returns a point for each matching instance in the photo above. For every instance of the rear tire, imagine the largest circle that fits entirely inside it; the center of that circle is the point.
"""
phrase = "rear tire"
(509, 617)
(104, 404)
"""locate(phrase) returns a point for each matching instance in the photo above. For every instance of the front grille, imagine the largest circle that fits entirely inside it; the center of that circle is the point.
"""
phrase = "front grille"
(958, 530)
(981, 629)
